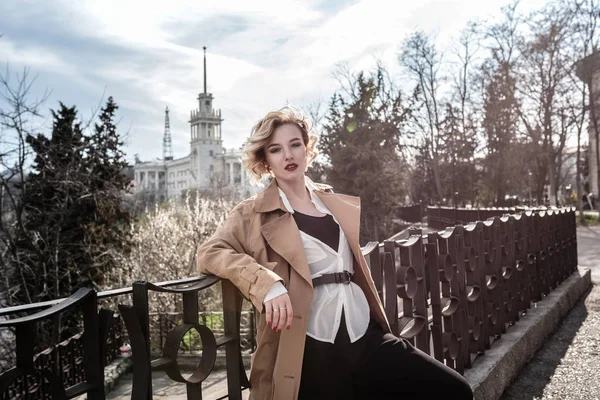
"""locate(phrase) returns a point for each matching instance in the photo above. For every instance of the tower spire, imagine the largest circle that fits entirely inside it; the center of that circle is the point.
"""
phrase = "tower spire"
(167, 145)
(204, 69)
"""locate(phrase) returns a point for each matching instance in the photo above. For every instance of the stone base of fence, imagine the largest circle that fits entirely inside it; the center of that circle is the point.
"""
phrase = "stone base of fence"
(501, 364)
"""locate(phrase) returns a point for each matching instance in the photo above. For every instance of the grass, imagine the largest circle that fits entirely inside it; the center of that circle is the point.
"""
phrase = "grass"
(191, 340)
(589, 219)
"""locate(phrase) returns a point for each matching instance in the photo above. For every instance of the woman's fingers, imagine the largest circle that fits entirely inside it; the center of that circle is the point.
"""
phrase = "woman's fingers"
(272, 313)
(279, 312)
(269, 312)
(285, 312)
(276, 316)
(289, 313)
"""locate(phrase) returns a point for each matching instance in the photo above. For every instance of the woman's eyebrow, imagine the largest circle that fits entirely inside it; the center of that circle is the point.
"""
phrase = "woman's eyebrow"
(277, 144)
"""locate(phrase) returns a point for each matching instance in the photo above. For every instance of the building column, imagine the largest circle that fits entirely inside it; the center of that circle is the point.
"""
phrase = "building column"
(231, 176)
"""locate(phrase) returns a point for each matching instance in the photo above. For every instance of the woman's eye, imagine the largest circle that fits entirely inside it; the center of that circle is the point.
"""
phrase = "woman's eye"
(296, 144)
(274, 150)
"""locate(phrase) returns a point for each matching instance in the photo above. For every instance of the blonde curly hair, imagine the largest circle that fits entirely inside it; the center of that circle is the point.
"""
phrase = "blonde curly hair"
(254, 157)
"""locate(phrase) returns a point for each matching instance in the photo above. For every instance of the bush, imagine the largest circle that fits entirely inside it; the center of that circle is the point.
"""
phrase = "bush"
(164, 243)
(591, 219)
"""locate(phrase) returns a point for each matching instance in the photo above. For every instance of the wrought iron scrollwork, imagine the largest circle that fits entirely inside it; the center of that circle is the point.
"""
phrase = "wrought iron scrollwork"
(136, 319)
(51, 376)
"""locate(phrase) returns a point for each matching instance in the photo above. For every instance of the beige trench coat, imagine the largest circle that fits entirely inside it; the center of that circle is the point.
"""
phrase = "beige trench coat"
(260, 244)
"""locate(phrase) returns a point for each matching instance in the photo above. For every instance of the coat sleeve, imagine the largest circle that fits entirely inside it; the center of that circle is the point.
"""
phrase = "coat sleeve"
(225, 256)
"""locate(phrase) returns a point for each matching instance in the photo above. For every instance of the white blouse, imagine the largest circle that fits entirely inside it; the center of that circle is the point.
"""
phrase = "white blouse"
(329, 300)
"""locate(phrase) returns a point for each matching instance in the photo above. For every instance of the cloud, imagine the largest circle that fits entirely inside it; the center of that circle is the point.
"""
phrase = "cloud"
(35, 57)
(261, 54)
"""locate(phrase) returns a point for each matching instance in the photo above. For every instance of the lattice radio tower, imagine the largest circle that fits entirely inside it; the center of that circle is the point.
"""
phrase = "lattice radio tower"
(167, 144)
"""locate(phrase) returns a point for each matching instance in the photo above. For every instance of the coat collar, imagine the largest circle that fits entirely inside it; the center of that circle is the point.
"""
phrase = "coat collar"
(283, 235)
(269, 200)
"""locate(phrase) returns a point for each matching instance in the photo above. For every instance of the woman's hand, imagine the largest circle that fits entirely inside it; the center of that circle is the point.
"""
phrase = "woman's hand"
(279, 312)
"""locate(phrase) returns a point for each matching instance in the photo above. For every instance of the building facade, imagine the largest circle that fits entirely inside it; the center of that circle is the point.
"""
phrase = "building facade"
(207, 167)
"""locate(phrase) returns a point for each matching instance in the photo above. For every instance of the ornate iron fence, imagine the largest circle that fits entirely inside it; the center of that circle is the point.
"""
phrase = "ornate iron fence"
(443, 217)
(65, 360)
(162, 323)
(136, 319)
(412, 213)
(55, 379)
(451, 293)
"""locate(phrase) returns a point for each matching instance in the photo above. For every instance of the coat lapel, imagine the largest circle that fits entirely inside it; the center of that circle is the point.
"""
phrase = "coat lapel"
(282, 233)
(283, 236)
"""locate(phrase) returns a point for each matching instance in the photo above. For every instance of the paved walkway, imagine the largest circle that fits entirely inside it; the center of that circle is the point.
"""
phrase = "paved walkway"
(568, 365)
(214, 387)
(588, 250)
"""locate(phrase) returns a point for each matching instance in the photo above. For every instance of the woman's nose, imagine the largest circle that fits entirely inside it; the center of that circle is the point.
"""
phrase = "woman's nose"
(288, 154)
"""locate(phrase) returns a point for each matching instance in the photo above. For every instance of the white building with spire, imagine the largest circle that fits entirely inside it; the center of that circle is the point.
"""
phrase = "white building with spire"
(208, 166)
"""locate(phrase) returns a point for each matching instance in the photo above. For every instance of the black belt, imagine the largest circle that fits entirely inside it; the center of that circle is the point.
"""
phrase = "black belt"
(336, 277)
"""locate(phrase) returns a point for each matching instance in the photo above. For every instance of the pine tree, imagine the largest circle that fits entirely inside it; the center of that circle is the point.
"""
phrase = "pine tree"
(360, 141)
(74, 223)
(108, 230)
(51, 194)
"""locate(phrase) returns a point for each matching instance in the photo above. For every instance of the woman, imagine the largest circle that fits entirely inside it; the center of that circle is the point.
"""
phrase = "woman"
(293, 251)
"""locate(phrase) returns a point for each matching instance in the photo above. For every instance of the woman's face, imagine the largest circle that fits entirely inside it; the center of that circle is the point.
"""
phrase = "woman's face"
(286, 153)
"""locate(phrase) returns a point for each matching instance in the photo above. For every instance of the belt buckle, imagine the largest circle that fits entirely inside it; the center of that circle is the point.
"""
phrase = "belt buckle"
(348, 275)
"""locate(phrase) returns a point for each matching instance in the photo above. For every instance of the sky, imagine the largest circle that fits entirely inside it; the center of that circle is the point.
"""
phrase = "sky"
(261, 54)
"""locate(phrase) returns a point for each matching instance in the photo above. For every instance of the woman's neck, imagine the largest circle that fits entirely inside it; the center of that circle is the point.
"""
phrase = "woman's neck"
(295, 189)
(299, 197)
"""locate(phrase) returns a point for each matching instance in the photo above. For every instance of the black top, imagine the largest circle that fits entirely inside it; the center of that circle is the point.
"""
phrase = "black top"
(323, 228)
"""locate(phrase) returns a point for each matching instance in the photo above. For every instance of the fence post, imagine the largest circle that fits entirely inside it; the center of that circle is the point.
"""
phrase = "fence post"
(232, 308)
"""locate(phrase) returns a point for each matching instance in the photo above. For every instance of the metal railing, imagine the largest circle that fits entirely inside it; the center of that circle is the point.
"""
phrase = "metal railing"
(410, 213)
(136, 319)
(54, 380)
(65, 361)
(443, 217)
(451, 293)
(162, 323)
